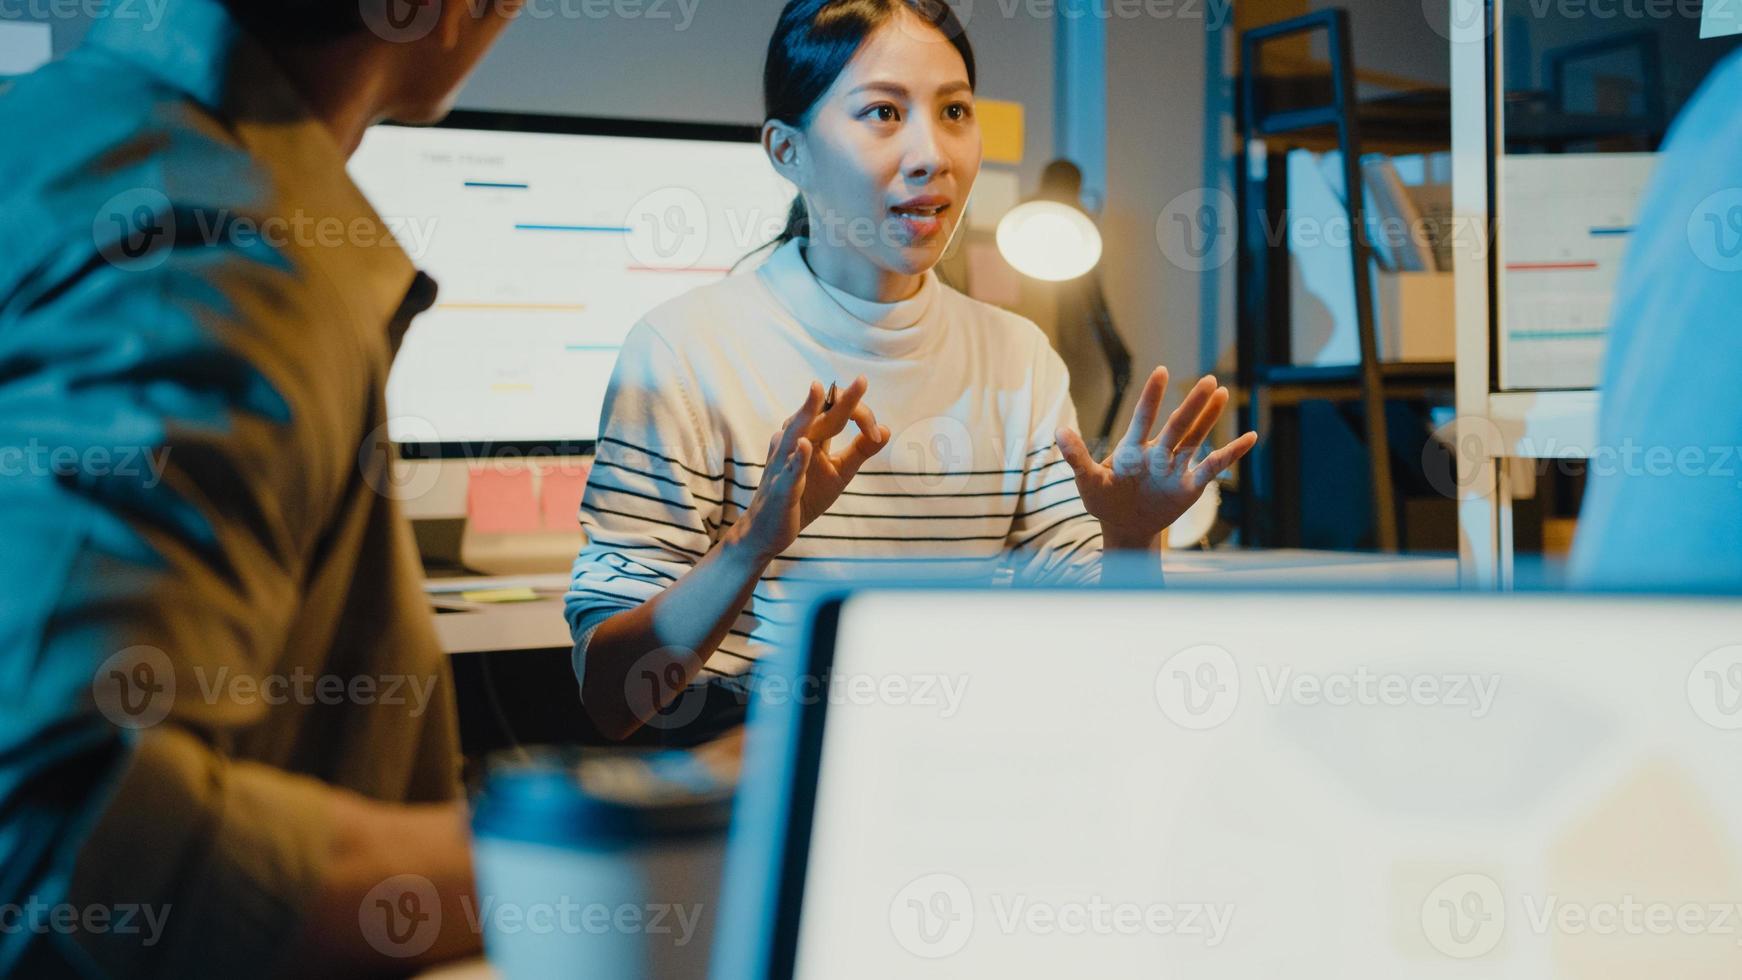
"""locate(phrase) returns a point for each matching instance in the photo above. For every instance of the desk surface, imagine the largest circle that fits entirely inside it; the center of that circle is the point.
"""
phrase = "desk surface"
(472, 627)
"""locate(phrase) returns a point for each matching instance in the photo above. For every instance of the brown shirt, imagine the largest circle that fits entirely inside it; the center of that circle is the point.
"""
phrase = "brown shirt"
(204, 644)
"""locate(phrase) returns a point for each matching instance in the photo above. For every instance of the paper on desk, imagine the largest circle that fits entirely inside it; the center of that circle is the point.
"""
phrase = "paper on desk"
(500, 501)
(560, 491)
(500, 595)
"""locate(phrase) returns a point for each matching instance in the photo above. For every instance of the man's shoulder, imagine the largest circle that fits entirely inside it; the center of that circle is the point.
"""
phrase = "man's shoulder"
(91, 119)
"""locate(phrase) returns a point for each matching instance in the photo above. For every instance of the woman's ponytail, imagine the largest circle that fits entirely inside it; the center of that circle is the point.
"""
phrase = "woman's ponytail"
(798, 223)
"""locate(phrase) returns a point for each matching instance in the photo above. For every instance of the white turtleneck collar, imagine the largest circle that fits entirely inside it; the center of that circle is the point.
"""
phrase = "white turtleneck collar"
(900, 329)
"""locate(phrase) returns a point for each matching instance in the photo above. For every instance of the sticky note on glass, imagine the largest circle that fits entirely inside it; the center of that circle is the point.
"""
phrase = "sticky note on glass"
(500, 501)
(1721, 18)
(560, 491)
(990, 278)
(24, 47)
(1001, 129)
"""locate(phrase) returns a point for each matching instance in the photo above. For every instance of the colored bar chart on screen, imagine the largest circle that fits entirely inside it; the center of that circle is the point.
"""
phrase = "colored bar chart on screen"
(548, 249)
(1566, 221)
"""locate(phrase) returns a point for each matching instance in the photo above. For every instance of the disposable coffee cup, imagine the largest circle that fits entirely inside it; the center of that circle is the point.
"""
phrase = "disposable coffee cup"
(602, 866)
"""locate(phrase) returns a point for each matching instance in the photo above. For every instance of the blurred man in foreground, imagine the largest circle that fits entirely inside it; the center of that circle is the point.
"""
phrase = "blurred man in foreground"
(226, 730)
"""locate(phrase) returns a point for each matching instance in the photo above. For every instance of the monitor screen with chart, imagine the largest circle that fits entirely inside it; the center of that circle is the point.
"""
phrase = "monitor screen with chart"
(1586, 103)
(550, 238)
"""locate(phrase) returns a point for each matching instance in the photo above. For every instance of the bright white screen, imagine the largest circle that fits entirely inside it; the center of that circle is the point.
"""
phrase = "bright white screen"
(1194, 785)
(548, 249)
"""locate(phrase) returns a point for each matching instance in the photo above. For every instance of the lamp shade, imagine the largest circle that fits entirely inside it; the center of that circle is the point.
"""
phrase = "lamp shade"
(1049, 240)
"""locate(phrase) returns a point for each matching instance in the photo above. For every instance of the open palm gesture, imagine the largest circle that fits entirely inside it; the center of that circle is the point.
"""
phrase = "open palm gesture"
(1145, 484)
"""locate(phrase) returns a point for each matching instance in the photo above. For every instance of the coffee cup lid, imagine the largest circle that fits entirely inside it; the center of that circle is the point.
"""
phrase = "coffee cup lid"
(604, 799)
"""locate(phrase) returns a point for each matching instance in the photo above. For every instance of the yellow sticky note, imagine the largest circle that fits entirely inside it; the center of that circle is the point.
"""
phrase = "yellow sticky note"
(500, 595)
(1000, 130)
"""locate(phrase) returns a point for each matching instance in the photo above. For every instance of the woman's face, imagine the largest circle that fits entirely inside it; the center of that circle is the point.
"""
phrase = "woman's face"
(888, 157)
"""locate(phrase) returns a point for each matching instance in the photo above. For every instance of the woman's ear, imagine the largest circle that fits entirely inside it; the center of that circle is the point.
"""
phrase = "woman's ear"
(785, 147)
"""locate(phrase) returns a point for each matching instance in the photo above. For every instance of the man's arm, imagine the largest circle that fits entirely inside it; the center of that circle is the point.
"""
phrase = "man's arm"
(170, 570)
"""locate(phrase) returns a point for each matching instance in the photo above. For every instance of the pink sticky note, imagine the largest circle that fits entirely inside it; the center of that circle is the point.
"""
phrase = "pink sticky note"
(990, 278)
(500, 501)
(564, 487)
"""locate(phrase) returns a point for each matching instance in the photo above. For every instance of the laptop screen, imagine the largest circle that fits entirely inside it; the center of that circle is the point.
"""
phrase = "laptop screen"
(1194, 784)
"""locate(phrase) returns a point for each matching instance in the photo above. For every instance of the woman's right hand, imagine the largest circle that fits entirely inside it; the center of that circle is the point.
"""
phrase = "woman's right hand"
(803, 479)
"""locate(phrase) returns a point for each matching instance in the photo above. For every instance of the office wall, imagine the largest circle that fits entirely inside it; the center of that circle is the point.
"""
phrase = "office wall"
(1167, 152)
(703, 63)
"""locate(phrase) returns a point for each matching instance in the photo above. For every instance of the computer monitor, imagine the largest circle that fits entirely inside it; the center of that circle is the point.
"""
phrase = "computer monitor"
(550, 237)
(1217, 785)
(1582, 106)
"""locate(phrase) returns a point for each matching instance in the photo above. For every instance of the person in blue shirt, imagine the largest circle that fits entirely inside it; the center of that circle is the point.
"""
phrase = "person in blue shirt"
(1663, 508)
(197, 314)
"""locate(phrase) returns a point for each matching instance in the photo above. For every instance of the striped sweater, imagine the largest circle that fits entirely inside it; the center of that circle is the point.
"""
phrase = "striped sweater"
(969, 487)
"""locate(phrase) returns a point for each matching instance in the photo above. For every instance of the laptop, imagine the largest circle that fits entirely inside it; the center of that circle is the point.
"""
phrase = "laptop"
(1003, 783)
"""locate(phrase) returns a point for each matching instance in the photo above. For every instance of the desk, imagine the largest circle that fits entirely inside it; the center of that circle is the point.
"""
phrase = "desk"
(477, 628)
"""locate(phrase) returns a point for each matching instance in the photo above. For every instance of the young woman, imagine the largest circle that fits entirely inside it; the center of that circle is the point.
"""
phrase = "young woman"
(711, 496)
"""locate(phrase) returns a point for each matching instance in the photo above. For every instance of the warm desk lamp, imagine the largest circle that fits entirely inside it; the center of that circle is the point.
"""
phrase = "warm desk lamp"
(1050, 238)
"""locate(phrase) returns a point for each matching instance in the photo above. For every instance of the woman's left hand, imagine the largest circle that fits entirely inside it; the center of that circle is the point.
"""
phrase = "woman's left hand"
(1145, 484)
